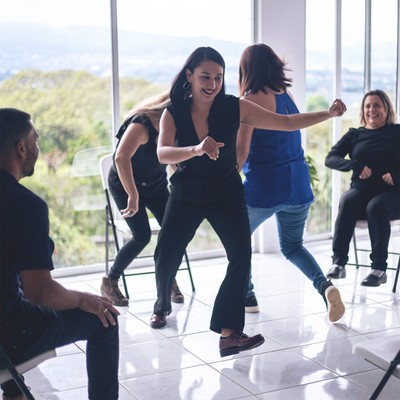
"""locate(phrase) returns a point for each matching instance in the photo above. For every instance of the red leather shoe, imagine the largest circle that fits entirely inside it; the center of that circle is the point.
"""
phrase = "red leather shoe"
(237, 342)
(158, 321)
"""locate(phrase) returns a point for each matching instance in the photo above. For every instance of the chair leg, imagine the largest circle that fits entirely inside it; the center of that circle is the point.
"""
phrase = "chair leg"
(16, 376)
(396, 277)
(190, 271)
(125, 286)
(355, 250)
(107, 239)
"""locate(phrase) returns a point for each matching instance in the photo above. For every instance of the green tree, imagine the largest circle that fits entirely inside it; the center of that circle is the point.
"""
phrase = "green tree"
(71, 111)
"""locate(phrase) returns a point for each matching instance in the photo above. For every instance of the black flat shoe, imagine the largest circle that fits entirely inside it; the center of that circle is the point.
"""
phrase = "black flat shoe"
(373, 280)
(336, 272)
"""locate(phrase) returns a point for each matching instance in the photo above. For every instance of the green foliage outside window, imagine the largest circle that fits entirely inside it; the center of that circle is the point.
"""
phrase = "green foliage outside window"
(72, 113)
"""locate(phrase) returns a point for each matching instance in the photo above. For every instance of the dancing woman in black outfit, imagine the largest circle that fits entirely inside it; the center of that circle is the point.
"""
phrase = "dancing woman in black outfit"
(198, 132)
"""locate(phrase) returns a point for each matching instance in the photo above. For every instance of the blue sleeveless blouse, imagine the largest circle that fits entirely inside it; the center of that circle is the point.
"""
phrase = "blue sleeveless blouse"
(275, 171)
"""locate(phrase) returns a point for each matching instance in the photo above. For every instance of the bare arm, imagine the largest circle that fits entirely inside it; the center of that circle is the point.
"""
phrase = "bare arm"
(168, 153)
(134, 136)
(256, 116)
(40, 289)
(243, 142)
(245, 133)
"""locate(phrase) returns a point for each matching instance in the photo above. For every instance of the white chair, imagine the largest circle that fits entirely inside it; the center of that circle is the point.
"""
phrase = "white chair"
(119, 227)
(362, 225)
(10, 371)
(383, 352)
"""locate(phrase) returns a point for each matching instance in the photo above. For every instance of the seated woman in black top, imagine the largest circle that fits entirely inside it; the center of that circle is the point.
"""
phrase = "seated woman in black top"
(374, 194)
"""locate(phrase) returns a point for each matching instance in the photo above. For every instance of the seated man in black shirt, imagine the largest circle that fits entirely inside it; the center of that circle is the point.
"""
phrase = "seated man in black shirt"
(37, 313)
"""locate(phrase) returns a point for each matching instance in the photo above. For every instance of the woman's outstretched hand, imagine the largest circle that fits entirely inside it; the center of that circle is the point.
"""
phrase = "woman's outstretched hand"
(210, 147)
(337, 109)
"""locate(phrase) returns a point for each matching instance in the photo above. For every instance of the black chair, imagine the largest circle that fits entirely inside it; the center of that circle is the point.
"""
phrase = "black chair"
(363, 224)
(10, 371)
(119, 227)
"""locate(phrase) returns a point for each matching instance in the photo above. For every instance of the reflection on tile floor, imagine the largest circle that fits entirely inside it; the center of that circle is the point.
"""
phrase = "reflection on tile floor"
(304, 356)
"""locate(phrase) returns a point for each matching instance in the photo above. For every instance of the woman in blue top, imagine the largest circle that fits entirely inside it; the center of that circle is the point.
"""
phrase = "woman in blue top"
(138, 182)
(198, 133)
(277, 180)
(372, 153)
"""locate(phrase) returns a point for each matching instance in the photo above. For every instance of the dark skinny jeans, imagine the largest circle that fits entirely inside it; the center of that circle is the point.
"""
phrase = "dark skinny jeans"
(32, 330)
(222, 204)
(378, 209)
(155, 201)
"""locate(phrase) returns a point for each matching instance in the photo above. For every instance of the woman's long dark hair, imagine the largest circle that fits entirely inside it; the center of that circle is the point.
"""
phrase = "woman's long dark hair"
(260, 68)
(178, 93)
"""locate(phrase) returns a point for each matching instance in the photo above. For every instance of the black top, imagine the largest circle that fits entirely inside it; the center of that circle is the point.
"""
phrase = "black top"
(24, 239)
(379, 149)
(147, 170)
(223, 123)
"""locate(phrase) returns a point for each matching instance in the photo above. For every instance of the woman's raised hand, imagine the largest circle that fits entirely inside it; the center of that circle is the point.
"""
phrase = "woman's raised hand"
(338, 108)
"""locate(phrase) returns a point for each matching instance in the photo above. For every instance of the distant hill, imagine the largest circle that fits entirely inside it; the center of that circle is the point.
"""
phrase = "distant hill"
(157, 58)
(153, 57)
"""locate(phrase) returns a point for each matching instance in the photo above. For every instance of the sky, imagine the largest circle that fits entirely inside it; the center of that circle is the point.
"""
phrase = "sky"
(218, 19)
(171, 17)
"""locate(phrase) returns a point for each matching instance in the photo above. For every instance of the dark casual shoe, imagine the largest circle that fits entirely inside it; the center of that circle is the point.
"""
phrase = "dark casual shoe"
(158, 321)
(176, 294)
(373, 280)
(251, 305)
(336, 272)
(109, 288)
(18, 397)
(237, 342)
(333, 301)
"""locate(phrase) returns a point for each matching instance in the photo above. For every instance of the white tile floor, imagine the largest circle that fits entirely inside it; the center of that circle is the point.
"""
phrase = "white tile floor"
(304, 356)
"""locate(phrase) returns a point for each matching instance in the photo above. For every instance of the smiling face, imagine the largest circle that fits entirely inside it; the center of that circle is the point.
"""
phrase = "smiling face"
(375, 113)
(206, 81)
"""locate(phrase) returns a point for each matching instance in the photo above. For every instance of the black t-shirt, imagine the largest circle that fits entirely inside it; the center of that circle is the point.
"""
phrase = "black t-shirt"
(378, 149)
(145, 165)
(24, 239)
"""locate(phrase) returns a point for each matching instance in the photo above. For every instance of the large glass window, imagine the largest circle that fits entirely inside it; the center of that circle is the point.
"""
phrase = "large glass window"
(354, 75)
(384, 46)
(56, 64)
(319, 84)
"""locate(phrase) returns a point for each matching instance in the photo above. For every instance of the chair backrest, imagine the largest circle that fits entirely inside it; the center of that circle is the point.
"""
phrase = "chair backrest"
(105, 165)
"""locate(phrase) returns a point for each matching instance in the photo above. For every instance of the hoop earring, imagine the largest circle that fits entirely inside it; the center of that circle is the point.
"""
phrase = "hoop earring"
(187, 85)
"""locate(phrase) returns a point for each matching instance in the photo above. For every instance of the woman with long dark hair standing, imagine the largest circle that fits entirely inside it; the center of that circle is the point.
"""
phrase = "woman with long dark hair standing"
(198, 133)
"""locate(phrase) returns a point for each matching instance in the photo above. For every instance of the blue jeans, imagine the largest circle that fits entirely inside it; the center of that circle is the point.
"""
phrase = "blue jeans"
(32, 330)
(291, 221)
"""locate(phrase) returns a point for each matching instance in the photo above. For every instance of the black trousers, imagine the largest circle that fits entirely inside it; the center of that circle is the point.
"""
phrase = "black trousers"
(378, 209)
(31, 330)
(222, 204)
(155, 199)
